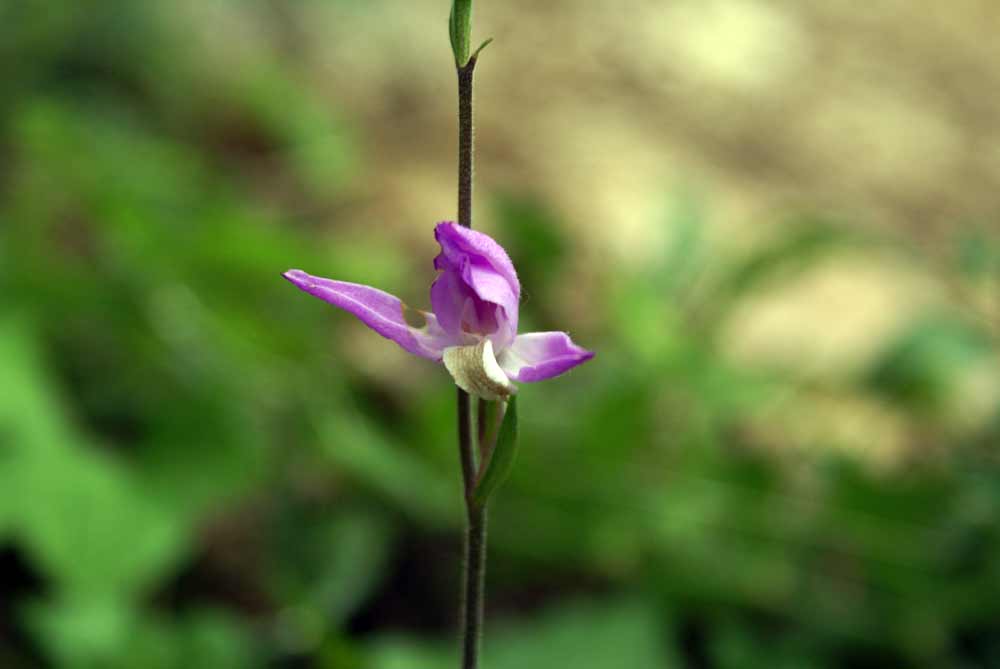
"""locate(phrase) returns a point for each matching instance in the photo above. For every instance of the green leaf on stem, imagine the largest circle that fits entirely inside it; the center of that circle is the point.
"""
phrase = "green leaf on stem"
(475, 54)
(460, 30)
(501, 459)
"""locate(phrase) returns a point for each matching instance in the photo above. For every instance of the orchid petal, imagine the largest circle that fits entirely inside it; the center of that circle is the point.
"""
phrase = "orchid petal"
(537, 356)
(474, 267)
(458, 241)
(449, 295)
(378, 310)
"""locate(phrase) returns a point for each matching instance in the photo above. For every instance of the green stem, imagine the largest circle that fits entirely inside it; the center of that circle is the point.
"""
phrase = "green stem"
(465, 447)
(482, 428)
(474, 563)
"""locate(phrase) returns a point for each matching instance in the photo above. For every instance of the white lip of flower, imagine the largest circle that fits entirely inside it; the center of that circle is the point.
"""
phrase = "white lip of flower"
(477, 372)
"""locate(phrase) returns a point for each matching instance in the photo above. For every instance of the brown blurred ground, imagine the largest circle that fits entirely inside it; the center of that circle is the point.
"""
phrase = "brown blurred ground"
(886, 111)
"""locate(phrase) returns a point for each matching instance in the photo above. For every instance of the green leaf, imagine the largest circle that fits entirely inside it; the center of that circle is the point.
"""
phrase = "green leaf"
(460, 30)
(486, 43)
(922, 367)
(502, 457)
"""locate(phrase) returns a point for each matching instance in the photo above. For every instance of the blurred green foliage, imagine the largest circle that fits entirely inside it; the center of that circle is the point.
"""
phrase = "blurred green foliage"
(195, 475)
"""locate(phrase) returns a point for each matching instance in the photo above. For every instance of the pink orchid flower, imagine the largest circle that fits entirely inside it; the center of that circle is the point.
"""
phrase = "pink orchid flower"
(473, 328)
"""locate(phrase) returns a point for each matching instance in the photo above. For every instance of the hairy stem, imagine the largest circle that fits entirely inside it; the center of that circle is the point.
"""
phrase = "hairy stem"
(475, 573)
(474, 563)
(465, 143)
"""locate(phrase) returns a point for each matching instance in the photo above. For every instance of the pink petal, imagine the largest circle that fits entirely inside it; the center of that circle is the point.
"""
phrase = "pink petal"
(474, 268)
(537, 356)
(378, 310)
(457, 242)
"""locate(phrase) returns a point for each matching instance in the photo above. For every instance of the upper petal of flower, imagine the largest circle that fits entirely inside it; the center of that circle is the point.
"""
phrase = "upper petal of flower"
(477, 291)
(537, 356)
(378, 310)
(458, 242)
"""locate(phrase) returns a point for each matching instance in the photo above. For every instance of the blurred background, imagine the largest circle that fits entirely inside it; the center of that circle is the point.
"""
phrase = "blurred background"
(775, 221)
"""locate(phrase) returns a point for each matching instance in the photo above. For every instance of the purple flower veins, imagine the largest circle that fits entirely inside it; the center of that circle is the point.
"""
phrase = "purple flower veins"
(473, 328)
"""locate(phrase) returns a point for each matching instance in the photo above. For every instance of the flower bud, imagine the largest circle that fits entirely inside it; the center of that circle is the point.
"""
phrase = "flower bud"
(460, 30)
